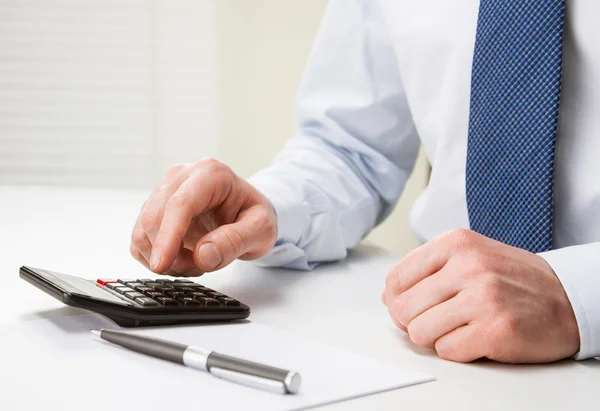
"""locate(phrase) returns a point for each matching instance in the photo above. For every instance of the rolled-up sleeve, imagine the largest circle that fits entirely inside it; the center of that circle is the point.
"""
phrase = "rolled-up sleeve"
(355, 145)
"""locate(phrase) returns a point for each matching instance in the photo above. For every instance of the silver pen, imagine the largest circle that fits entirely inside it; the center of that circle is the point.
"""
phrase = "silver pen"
(228, 368)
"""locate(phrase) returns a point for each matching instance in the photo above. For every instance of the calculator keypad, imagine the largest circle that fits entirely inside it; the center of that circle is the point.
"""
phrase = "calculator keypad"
(112, 286)
(134, 285)
(132, 295)
(207, 301)
(188, 301)
(146, 302)
(168, 293)
(166, 301)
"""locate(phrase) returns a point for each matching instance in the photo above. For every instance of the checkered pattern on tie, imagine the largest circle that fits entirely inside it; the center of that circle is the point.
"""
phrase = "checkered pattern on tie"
(515, 96)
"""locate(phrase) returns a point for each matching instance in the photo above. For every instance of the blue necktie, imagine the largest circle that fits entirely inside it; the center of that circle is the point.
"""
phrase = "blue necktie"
(515, 96)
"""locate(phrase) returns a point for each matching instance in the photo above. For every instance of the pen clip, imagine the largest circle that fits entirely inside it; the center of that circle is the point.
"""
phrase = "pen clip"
(254, 381)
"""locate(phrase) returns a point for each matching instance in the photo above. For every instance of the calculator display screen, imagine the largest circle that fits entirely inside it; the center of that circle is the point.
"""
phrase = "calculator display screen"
(76, 285)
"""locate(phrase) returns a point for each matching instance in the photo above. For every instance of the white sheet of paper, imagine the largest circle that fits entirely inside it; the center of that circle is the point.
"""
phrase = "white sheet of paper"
(58, 364)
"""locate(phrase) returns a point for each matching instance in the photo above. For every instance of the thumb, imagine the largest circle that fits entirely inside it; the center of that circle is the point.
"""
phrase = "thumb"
(223, 245)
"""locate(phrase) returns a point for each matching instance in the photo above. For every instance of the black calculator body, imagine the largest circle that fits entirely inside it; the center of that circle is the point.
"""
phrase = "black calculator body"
(139, 302)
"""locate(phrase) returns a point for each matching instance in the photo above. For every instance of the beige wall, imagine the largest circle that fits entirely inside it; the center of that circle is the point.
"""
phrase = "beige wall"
(264, 45)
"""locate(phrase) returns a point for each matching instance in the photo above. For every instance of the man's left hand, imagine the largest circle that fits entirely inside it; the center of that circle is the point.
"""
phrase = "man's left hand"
(469, 297)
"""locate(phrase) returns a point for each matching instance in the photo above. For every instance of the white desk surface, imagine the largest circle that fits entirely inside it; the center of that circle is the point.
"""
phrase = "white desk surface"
(85, 232)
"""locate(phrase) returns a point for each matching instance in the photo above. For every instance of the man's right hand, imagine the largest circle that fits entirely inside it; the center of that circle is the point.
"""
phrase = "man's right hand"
(201, 218)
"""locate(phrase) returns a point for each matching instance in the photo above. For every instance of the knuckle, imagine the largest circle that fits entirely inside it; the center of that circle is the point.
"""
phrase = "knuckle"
(482, 261)
(180, 199)
(212, 165)
(459, 237)
(157, 193)
(176, 169)
(263, 236)
(133, 250)
(470, 297)
(150, 220)
(237, 240)
(391, 278)
(393, 281)
(445, 351)
(262, 219)
(476, 264)
(504, 328)
(492, 290)
(263, 214)
(418, 334)
(449, 352)
(138, 238)
(400, 308)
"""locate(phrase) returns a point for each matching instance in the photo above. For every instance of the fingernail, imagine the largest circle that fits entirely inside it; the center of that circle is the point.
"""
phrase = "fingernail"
(210, 255)
(155, 259)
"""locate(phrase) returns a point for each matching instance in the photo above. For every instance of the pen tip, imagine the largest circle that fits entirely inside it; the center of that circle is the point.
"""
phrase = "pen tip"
(96, 332)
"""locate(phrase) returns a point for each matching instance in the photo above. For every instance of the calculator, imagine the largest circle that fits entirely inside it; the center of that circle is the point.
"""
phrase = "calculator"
(139, 302)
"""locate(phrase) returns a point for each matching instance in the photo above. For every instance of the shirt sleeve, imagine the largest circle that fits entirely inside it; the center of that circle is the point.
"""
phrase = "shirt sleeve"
(578, 269)
(355, 145)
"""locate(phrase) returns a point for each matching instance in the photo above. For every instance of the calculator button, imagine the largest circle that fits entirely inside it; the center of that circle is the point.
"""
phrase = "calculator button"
(146, 302)
(132, 295)
(152, 284)
(105, 281)
(145, 280)
(123, 290)
(230, 302)
(133, 285)
(214, 294)
(166, 301)
(186, 285)
(185, 289)
(187, 301)
(163, 288)
(143, 289)
(207, 301)
(160, 287)
(112, 286)
(183, 281)
(196, 294)
(154, 294)
(126, 280)
(193, 285)
(163, 281)
(174, 294)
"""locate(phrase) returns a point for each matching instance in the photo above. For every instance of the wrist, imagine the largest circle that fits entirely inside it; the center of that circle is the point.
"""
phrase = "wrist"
(563, 310)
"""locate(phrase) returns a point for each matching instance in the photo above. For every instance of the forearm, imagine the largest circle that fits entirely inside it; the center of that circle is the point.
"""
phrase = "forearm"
(324, 203)
(356, 143)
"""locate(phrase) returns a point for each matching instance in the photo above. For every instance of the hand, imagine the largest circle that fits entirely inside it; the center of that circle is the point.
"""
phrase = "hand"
(469, 297)
(201, 218)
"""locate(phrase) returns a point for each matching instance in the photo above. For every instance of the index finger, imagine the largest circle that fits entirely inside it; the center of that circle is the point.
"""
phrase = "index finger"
(202, 191)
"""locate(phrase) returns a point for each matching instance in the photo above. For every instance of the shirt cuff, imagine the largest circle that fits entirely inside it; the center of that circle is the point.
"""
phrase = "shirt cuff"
(291, 218)
(578, 269)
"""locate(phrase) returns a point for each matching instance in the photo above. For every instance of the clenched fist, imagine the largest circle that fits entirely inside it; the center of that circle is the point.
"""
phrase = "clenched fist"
(201, 218)
(469, 297)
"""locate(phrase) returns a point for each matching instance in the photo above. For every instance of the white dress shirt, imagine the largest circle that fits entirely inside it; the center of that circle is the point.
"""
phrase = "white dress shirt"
(388, 75)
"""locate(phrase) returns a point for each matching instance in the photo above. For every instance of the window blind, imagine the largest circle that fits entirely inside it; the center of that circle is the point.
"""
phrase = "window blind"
(105, 92)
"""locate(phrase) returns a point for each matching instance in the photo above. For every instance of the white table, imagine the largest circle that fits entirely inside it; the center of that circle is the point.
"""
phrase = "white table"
(86, 232)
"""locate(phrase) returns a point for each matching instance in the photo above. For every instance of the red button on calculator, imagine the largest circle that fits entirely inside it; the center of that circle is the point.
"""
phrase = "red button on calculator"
(104, 281)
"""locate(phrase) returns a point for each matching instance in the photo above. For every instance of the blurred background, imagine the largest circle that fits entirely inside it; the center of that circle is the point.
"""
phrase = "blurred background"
(110, 93)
